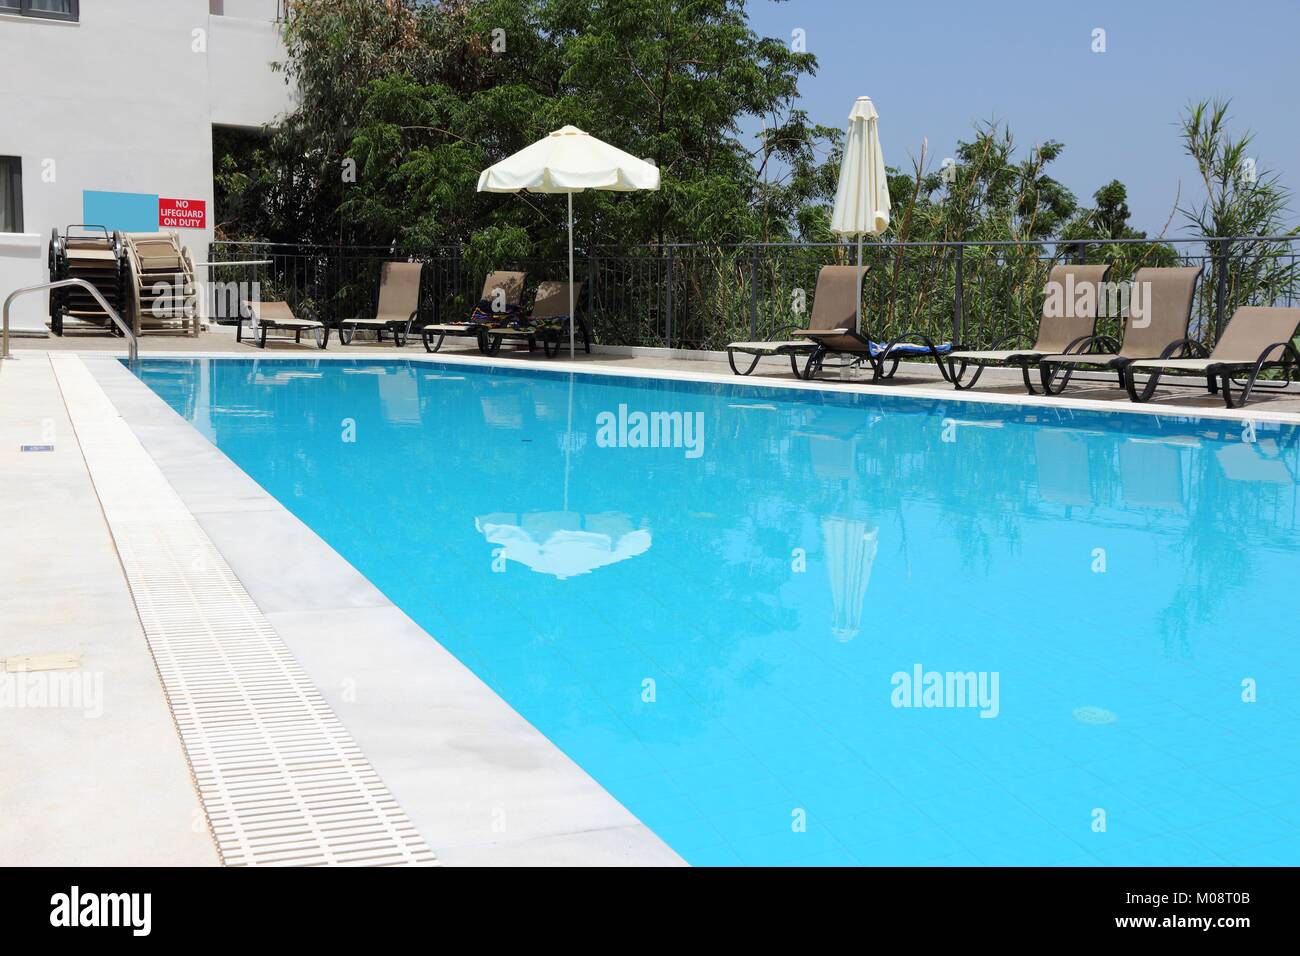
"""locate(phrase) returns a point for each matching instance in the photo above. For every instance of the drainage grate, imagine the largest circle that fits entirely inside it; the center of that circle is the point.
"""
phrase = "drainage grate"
(282, 781)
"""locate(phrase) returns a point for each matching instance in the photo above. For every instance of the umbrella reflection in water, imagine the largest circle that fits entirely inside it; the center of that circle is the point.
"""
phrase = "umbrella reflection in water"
(563, 543)
(850, 551)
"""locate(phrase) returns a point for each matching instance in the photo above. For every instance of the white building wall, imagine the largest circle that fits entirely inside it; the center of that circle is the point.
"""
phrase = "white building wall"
(124, 101)
(245, 91)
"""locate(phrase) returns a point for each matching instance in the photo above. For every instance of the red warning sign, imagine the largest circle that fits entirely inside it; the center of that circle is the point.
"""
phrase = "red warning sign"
(182, 214)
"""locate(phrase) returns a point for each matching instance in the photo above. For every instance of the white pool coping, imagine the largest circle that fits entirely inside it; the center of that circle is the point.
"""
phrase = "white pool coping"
(481, 784)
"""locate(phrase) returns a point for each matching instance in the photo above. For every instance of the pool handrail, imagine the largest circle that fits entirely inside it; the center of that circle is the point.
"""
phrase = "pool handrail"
(132, 345)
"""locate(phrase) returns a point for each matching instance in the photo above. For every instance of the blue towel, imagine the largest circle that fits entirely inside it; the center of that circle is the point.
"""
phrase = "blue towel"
(909, 348)
(513, 317)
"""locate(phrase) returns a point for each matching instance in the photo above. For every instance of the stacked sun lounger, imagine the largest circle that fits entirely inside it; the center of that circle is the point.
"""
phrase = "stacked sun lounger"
(164, 292)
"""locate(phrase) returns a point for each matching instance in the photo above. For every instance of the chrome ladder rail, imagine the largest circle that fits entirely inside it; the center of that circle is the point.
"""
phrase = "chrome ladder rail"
(133, 348)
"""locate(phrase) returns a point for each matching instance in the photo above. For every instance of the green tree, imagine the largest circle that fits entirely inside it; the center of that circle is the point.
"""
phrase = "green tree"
(421, 96)
(1108, 219)
(1241, 199)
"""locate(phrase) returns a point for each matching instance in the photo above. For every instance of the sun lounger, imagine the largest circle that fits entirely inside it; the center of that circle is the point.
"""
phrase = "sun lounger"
(91, 253)
(759, 350)
(547, 323)
(1057, 334)
(503, 293)
(1155, 328)
(827, 313)
(164, 291)
(833, 330)
(264, 317)
(398, 308)
(1258, 338)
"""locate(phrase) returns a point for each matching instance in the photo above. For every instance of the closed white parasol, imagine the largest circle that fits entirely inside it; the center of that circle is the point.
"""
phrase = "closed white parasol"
(862, 197)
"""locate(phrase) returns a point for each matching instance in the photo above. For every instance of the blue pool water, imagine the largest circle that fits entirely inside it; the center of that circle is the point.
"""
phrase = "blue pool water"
(723, 633)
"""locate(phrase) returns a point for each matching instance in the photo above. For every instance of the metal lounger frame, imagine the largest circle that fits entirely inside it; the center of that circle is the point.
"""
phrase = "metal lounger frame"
(1219, 376)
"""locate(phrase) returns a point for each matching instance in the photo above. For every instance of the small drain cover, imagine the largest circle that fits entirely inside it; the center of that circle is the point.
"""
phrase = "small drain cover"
(1094, 715)
(40, 662)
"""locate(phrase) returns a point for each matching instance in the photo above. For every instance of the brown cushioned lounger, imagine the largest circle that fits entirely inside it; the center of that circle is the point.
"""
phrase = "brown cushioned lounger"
(827, 313)
(399, 304)
(508, 286)
(1258, 338)
(833, 295)
(1159, 330)
(550, 305)
(267, 316)
(1056, 334)
(833, 328)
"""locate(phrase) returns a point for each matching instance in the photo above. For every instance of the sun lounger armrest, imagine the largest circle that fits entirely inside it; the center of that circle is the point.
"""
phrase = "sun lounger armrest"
(999, 345)
(1084, 344)
(1078, 344)
(1004, 343)
(817, 333)
(1185, 348)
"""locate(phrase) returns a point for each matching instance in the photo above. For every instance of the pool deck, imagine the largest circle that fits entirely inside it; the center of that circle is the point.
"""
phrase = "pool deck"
(98, 785)
(482, 786)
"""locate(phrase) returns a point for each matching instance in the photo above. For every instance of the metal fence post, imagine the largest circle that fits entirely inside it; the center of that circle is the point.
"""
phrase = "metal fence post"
(668, 302)
(336, 297)
(1220, 288)
(591, 293)
(753, 292)
(958, 300)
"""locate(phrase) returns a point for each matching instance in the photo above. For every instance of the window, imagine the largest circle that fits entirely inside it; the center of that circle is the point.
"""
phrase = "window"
(49, 9)
(11, 194)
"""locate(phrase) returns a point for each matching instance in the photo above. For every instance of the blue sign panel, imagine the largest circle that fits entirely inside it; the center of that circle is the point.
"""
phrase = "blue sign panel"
(129, 212)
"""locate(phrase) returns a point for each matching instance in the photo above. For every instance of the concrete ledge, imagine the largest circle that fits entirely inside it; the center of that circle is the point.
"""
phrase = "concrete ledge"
(681, 355)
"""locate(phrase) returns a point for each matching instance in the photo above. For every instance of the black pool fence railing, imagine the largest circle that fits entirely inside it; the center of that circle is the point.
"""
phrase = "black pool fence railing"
(697, 296)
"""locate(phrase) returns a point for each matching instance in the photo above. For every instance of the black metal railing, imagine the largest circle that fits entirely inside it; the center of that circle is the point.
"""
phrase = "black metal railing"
(692, 296)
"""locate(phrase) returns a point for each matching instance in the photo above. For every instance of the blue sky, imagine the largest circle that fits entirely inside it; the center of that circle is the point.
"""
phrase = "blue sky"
(933, 68)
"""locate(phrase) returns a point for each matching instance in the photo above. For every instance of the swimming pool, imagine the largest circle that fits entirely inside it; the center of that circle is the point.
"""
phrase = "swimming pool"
(823, 628)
